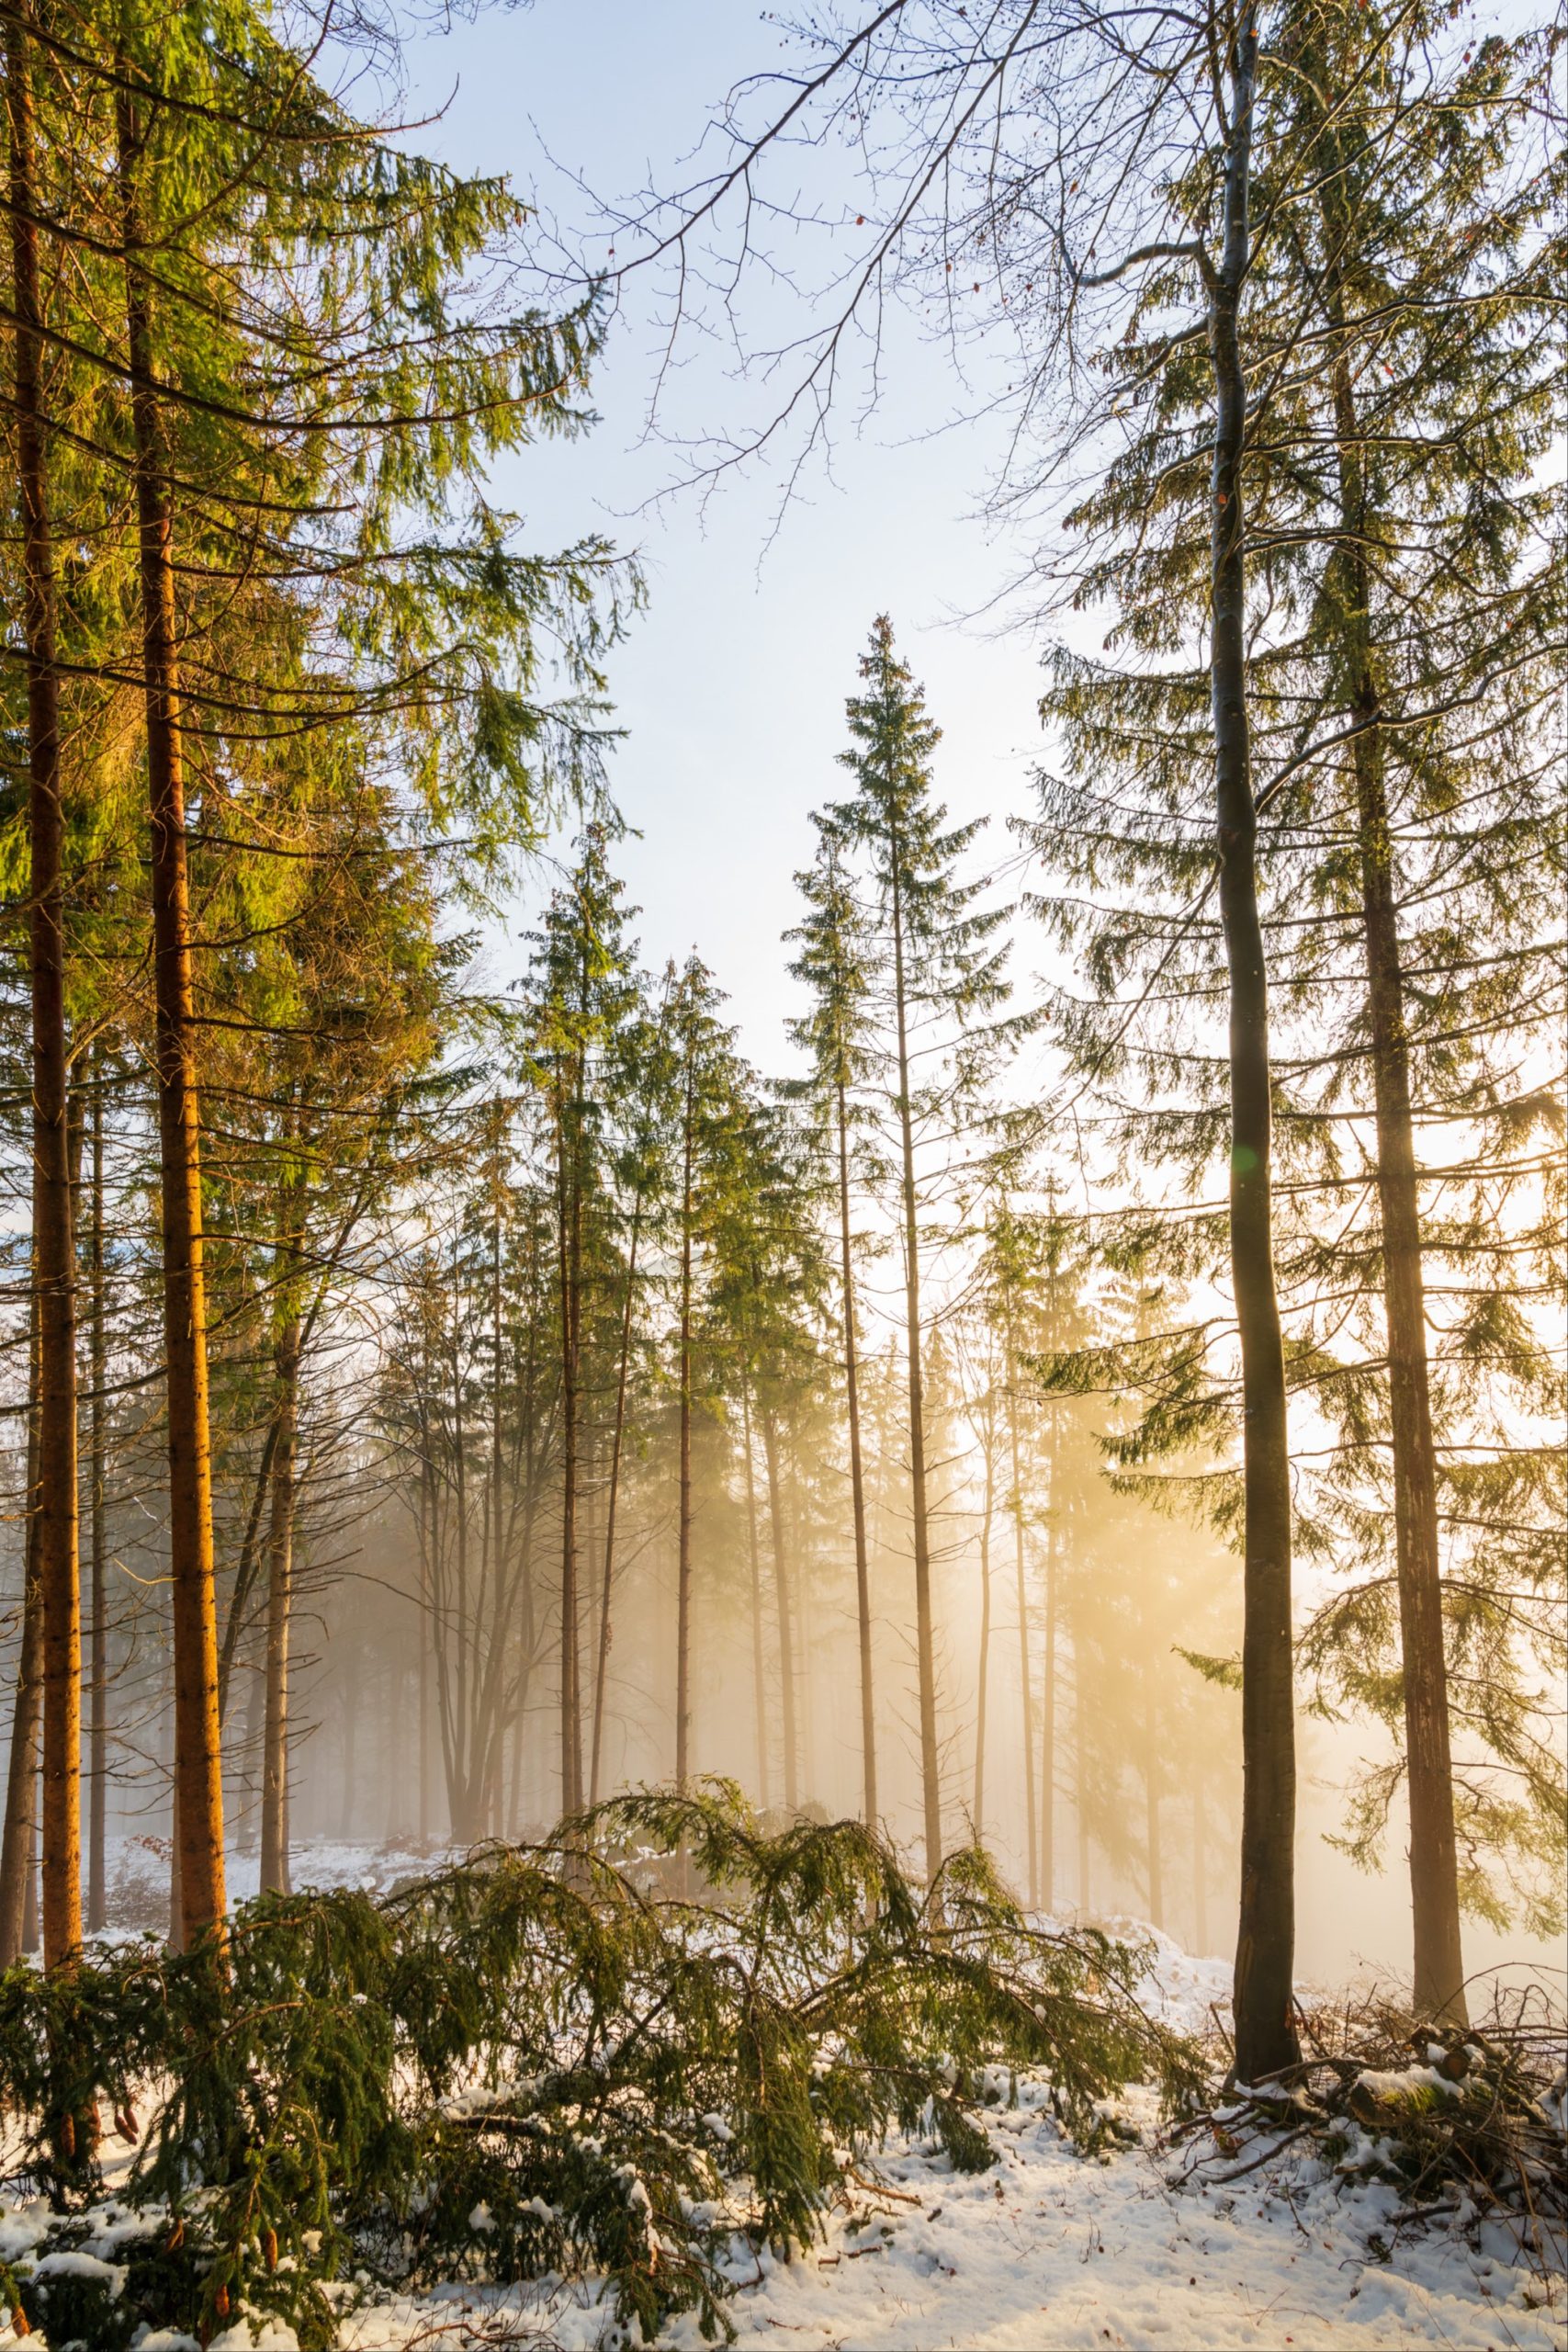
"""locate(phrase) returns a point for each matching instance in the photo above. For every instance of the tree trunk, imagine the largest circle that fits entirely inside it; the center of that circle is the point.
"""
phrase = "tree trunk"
(1156, 1879)
(280, 1578)
(1199, 1863)
(54, 1270)
(1025, 1678)
(98, 1728)
(930, 1780)
(21, 1783)
(857, 1478)
(984, 1677)
(602, 1663)
(684, 1536)
(571, 1272)
(1439, 1976)
(1080, 1770)
(759, 1675)
(198, 1764)
(1265, 2035)
(786, 1628)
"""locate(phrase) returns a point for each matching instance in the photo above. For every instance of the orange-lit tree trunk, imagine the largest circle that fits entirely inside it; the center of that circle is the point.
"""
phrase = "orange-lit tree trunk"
(54, 1270)
(199, 1785)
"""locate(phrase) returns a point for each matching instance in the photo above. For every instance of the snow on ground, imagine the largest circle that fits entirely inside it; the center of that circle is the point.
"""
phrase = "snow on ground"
(1045, 2252)
(1050, 2250)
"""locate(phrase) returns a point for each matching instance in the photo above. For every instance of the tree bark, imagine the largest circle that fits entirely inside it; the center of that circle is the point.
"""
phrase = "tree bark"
(857, 1477)
(1438, 1973)
(1264, 2034)
(1156, 1876)
(684, 1533)
(602, 1663)
(786, 1627)
(98, 1728)
(197, 1763)
(569, 1219)
(21, 1781)
(54, 1269)
(274, 1871)
(1025, 1676)
(925, 1640)
(759, 1673)
(984, 1677)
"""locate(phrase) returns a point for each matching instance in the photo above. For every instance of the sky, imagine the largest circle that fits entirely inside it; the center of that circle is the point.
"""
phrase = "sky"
(731, 685)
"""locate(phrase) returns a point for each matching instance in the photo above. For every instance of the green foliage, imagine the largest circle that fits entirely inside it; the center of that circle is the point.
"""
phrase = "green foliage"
(534, 2062)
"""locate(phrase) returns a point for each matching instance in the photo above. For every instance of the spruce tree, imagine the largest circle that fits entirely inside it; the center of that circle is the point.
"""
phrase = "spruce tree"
(836, 964)
(940, 988)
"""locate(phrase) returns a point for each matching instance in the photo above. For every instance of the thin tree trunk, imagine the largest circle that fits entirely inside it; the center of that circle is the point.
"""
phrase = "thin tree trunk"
(1156, 1879)
(21, 1783)
(54, 1269)
(197, 1763)
(759, 1677)
(931, 1782)
(683, 1534)
(1438, 1985)
(787, 1630)
(280, 1578)
(98, 1728)
(1200, 1863)
(857, 1477)
(1048, 1730)
(570, 1273)
(1265, 2035)
(602, 1662)
(983, 1679)
(1025, 1678)
(1080, 1767)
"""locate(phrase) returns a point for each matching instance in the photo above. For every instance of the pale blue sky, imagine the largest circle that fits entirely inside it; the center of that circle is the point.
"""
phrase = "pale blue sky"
(732, 684)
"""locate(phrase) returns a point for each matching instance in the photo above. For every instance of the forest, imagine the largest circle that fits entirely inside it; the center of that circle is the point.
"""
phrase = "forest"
(646, 1652)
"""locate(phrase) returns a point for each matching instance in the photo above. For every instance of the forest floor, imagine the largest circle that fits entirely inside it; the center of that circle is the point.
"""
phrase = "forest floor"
(1048, 2249)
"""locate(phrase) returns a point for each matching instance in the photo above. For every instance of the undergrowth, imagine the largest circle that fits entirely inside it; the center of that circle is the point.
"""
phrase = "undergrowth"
(540, 2061)
(1467, 2125)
